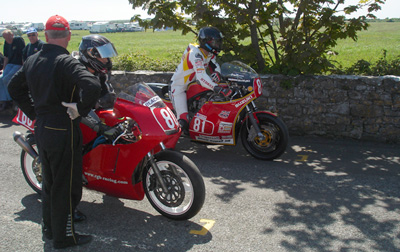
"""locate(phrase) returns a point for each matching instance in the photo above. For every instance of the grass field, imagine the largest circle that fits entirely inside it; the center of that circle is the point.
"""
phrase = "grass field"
(370, 44)
(156, 45)
(168, 45)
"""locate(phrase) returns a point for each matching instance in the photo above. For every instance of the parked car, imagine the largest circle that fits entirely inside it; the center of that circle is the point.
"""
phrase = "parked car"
(2, 28)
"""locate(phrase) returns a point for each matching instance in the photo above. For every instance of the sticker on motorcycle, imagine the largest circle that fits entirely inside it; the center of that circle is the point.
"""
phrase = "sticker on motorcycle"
(149, 103)
(258, 85)
(245, 100)
(203, 126)
(214, 139)
(165, 118)
(224, 114)
(225, 127)
(24, 120)
(98, 177)
(201, 116)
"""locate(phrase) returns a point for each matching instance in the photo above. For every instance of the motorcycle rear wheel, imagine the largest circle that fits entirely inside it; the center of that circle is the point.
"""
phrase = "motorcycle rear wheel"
(31, 168)
(276, 137)
(186, 190)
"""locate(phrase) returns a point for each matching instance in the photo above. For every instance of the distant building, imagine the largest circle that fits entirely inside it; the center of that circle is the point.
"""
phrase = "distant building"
(79, 25)
(99, 27)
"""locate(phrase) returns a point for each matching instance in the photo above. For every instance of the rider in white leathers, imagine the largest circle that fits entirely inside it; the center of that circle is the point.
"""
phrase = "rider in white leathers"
(195, 60)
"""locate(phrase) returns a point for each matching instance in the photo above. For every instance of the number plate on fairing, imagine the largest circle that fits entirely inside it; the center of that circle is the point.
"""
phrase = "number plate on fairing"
(24, 120)
(165, 118)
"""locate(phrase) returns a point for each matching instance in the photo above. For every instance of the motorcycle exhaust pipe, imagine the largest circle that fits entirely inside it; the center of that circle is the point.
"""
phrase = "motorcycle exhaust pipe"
(19, 138)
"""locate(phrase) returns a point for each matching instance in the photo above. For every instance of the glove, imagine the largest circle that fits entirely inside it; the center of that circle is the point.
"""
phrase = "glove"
(224, 91)
(72, 110)
(113, 133)
(216, 77)
(101, 128)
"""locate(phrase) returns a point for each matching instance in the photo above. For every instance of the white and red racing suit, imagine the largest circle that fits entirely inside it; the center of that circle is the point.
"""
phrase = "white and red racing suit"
(192, 67)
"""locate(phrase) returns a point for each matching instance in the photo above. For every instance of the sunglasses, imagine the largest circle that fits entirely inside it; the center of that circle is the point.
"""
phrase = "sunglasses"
(32, 35)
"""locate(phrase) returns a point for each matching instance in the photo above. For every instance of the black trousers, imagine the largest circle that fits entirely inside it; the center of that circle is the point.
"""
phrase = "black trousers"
(59, 141)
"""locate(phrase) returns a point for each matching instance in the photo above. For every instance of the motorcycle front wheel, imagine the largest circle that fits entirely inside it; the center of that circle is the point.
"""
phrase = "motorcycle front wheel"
(31, 167)
(275, 137)
(186, 190)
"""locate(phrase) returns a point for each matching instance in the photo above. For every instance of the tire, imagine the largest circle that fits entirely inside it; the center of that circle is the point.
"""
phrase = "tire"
(31, 168)
(186, 192)
(276, 137)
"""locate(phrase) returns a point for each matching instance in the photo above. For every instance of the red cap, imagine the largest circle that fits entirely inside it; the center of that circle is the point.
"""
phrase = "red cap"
(57, 23)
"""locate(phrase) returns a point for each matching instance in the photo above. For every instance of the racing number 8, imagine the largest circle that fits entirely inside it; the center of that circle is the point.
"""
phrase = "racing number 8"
(259, 86)
(168, 118)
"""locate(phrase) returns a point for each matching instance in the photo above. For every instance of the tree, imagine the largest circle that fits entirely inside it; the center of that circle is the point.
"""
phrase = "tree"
(282, 36)
(145, 23)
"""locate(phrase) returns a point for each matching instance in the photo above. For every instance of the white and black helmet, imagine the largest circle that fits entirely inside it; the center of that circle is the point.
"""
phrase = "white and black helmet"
(210, 39)
(92, 48)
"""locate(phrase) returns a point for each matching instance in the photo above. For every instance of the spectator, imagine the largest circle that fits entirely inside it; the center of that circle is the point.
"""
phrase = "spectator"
(35, 44)
(48, 80)
(13, 47)
(1, 62)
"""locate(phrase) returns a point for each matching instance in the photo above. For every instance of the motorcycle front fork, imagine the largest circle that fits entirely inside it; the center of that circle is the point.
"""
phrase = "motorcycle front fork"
(253, 120)
(157, 171)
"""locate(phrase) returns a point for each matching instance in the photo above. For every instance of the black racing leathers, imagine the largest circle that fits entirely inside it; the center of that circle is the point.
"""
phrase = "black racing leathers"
(50, 77)
(46, 79)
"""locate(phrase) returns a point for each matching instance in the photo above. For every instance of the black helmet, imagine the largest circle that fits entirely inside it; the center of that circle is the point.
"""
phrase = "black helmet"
(92, 48)
(210, 39)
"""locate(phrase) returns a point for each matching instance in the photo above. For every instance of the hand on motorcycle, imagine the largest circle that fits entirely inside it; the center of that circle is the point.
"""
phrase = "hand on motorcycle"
(216, 77)
(113, 133)
(72, 110)
(224, 91)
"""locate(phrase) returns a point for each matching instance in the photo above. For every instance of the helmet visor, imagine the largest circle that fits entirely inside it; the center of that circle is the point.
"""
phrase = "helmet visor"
(105, 51)
(216, 44)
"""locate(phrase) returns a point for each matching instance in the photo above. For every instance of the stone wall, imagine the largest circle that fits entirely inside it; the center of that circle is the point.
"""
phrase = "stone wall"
(366, 108)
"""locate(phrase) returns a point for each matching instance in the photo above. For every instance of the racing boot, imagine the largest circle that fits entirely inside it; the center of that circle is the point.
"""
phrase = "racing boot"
(70, 241)
(46, 233)
(79, 216)
(184, 123)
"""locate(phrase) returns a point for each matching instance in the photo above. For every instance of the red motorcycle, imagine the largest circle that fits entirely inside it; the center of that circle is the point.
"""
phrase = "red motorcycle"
(219, 120)
(140, 161)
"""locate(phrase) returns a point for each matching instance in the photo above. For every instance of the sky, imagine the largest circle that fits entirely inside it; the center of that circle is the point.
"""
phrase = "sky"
(37, 11)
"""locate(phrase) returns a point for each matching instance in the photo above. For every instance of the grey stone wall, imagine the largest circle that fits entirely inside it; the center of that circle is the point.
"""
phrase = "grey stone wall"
(358, 107)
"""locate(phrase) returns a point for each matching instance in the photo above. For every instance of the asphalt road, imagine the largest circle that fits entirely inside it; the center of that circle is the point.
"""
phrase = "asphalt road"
(322, 195)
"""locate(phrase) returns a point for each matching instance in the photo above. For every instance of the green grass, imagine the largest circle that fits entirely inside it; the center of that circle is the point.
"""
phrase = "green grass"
(156, 45)
(169, 45)
(370, 44)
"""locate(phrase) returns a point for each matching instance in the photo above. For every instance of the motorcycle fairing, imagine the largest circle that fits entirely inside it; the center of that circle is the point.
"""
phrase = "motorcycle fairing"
(165, 119)
(108, 169)
(168, 130)
(195, 89)
(225, 115)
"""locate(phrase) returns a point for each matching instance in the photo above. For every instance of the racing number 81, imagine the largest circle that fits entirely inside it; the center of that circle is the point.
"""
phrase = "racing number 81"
(197, 124)
(203, 126)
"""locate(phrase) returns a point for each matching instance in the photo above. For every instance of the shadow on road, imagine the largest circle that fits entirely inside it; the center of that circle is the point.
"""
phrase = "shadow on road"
(119, 228)
(6, 119)
(356, 184)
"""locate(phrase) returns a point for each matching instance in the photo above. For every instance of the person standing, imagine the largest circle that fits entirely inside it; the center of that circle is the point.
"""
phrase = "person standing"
(55, 89)
(12, 51)
(35, 44)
